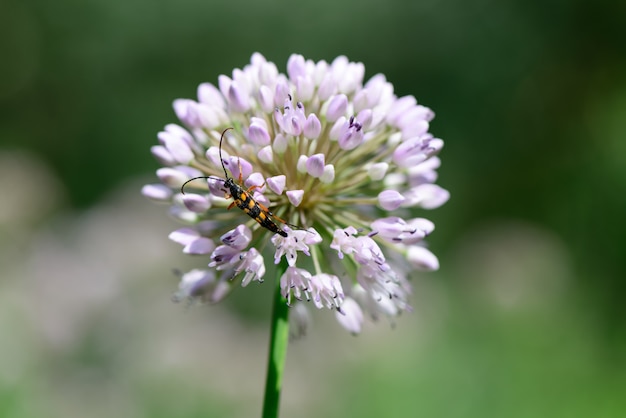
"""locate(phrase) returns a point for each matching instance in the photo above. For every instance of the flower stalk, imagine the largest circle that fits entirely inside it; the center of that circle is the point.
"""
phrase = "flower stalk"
(277, 353)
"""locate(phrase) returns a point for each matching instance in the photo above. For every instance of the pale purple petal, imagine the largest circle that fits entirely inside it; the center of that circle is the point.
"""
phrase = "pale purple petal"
(172, 177)
(422, 224)
(257, 59)
(177, 130)
(296, 66)
(293, 126)
(184, 236)
(397, 230)
(257, 133)
(178, 148)
(367, 252)
(315, 165)
(295, 196)
(351, 139)
(189, 171)
(199, 246)
(224, 82)
(254, 266)
(377, 171)
(390, 199)
(281, 92)
(399, 107)
(339, 128)
(337, 107)
(344, 241)
(412, 121)
(422, 259)
(208, 117)
(280, 144)
(279, 118)
(313, 127)
(415, 128)
(224, 256)
(266, 99)
(326, 291)
(350, 316)
(319, 71)
(433, 146)
(238, 238)
(424, 172)
(220, 291)
(327, 87)
(196, 203)
(162, 155)
(352, 77)
(216, 187)
(427, 196)
(390, 227)
(182, 214)
(329, 174)
(266, 154)
(238, 166)
(277, 183)
(305, 87)
(361, 100)
(157, 192)
(365, 118)
(194, 284)
(213, 155)
(294, 282)
(185, 112)
(375, 87)
(268, 74)
(237, 98)
(311, 236)
(410, 152)
(255, 179)
(415, 113)
(301, 165)
(209, 94)
(289, 246)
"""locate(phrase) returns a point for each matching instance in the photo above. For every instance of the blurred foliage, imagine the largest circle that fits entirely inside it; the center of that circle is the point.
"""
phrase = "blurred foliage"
(531, 100)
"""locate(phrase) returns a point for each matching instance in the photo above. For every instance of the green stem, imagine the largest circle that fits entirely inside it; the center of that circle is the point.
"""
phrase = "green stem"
(277, 350)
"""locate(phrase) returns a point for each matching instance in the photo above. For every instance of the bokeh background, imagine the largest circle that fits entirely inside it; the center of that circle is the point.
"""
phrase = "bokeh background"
(526, 317)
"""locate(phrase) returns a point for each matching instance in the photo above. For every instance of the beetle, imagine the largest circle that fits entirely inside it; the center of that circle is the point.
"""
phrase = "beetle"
(243, 198)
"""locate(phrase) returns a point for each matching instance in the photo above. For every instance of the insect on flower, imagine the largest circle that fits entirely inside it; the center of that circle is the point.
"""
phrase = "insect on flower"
(243, 198)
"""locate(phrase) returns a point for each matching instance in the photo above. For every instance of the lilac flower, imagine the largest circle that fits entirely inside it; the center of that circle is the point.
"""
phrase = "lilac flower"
(341, 163)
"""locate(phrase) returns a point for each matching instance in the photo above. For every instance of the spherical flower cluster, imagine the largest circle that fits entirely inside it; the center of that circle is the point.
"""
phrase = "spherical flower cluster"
(337, 165)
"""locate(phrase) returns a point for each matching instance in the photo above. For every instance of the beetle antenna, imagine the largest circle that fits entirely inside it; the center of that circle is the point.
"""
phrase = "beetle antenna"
(182, 188)
(221, 159)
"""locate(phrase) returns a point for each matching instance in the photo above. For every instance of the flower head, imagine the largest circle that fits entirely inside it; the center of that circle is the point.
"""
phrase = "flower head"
(329, 167)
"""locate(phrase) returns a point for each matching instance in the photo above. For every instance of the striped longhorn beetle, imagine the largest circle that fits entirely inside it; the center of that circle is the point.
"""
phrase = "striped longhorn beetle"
(243, 198)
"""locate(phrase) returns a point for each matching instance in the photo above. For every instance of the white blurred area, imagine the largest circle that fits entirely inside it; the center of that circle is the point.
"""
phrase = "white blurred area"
(88, 327)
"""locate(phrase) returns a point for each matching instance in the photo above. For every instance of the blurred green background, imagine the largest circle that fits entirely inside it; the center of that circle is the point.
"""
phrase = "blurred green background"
(526, 317)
